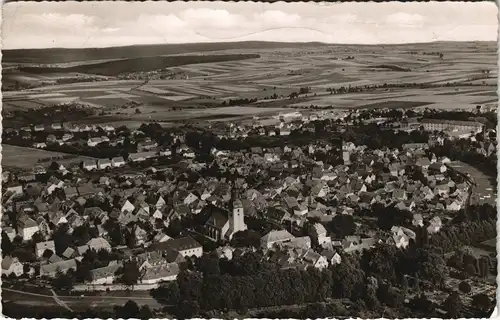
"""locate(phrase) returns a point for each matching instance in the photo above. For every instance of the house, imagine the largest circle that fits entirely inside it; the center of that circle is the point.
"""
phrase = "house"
(318, 234)
(423, 162)
(56, 126)
(275, 237)
(39, 145)
(435, 225)
(105, 275)
(166, 153)
(160, 203)
(69, 253)
(127, 206)
(99, 244)
(26, 227)
(315, 259)
(186, 246)
(140, 235)
(190, 198)
(437, 167)
(418, 220)
(161, 237)
(160, 273)
(141, 156)
(89, 165)
(297, 243)
(400, 240)
(117, 162)
(454, 205)
(51, 269)
(12, 265)
(332, 257)
(103, 164)
(442, 189)
(10, 232)
(92, 142)
(224, 252)
(41, 247)
(67, 137)
(399, 195)
(70, 192)
(57, 218)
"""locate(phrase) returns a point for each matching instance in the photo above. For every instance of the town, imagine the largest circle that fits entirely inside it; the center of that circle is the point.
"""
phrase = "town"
(340, 212)
(247, 160)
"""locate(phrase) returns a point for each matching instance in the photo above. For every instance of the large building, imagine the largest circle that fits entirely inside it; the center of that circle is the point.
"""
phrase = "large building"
(447, 125)
(221, 224)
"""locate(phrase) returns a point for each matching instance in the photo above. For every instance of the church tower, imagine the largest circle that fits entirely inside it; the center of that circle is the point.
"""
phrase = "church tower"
(236, 216)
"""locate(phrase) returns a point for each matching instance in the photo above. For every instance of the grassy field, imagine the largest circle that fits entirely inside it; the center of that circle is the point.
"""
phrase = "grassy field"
(280, 70)
(116, 67)
(27, 158)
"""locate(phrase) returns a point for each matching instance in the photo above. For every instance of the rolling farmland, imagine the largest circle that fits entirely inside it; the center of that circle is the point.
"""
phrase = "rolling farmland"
(264, 72)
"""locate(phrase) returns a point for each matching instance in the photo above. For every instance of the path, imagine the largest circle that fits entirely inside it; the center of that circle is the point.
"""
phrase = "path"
(29, 298)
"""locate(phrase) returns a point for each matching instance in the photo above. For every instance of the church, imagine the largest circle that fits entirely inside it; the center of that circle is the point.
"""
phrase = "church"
(222, 224)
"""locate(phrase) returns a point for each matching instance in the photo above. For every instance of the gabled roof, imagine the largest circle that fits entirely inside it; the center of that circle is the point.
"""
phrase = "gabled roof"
(8, 261)
(62, 265)
(46, 245)
(277, 235)
(184, 243)
(98, 243)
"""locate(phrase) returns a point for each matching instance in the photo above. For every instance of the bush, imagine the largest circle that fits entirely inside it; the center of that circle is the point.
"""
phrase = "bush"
(464, 287)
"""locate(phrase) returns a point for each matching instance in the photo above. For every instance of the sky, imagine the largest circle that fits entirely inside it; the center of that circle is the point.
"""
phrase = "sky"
(105, 24)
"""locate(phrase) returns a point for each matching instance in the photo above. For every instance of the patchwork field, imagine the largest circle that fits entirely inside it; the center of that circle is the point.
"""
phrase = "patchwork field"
(267, 74)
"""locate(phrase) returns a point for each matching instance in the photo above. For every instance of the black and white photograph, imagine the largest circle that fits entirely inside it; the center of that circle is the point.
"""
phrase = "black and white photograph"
(238, 160)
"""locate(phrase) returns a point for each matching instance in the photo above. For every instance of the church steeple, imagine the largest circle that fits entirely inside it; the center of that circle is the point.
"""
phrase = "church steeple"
(236, 218)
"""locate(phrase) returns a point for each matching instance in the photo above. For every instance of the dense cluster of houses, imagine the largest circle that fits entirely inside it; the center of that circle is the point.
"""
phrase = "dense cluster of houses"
(289, 188)
(138, 199)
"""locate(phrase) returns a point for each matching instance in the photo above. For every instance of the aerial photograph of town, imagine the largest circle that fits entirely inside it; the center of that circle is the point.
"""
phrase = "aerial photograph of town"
(249, 160)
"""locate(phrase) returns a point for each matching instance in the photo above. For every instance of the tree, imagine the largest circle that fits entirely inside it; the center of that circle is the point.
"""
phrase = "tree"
(63, 281)
(453, 305)
(188, 309)
(145, 312)
(129, 310)
(130, 273)
(481, 302)
(26, 269)
(342, 225)
(7, 246)
(464, 287)
(470, 269)
(54, 166)
(208, 265)
(38, 237)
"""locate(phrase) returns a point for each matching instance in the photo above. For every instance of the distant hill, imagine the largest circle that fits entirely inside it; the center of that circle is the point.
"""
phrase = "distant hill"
(63, 55)
(141, 64)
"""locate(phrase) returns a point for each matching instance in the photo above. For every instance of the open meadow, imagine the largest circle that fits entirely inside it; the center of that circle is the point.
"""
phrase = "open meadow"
(259, 79)
(28, 158)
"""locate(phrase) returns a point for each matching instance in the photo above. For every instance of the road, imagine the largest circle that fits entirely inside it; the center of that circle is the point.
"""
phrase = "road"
(36, 299)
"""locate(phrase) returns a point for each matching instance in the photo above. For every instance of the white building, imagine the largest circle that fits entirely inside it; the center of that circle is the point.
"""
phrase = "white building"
(117, 162)
(318, 233)
(103, 164)
(26, 227)
(12, 265)
(275, 237)
(89, 165)
(41, 247)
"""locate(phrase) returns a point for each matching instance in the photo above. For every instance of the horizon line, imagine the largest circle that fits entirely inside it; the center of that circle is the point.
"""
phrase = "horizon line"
(255, 41)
